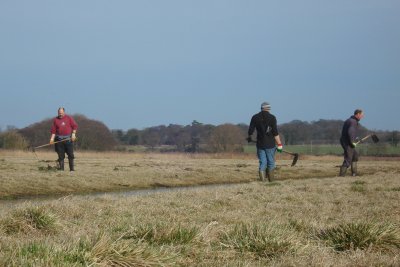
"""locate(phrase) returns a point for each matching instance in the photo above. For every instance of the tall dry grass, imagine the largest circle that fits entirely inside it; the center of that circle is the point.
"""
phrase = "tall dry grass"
(308, 217)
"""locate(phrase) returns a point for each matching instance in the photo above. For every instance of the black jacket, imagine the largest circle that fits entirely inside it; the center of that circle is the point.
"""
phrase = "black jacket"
(349, 131)
(267, 129)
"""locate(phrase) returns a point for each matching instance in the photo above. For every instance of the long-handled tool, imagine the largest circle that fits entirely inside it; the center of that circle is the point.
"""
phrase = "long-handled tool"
(49, 144)
(295, 155)
(375, 139)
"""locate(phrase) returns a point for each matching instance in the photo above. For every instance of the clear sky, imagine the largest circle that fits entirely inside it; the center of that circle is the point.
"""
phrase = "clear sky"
(136, 64)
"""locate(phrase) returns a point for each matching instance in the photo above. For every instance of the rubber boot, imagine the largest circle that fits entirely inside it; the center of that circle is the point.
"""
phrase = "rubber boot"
(270, 175)
(343, 170)
(262, 176)
(71, 165)
(61, 162)
(354, 169)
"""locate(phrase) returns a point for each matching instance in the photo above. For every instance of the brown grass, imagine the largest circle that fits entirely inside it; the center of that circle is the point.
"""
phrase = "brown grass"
(22, 175)
(291, 222)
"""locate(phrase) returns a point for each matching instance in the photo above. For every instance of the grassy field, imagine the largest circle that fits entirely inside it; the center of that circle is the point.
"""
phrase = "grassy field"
(307, 217)
(380, 149)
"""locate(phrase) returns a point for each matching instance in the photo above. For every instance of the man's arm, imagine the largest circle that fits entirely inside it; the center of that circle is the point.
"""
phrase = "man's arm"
(74, 127)
(53, 132)
(250, 132)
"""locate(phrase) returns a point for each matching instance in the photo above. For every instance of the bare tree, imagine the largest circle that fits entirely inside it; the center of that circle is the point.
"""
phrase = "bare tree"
(11, 139)
(226, 138)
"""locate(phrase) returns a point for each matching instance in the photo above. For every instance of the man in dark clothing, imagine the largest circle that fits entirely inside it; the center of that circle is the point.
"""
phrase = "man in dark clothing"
(268, 140)
(64, 127)
(349, 143)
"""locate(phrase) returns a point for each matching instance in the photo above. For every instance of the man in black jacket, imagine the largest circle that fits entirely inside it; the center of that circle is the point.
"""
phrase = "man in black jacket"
(268, 140)
(349, 143)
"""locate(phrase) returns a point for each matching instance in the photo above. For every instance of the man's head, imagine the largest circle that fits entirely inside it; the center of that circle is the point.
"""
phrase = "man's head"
(359, 114)
(265, 106)
(61, 112)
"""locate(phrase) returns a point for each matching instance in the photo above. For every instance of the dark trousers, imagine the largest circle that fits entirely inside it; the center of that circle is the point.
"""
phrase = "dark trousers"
(63, 148)
(350, 154)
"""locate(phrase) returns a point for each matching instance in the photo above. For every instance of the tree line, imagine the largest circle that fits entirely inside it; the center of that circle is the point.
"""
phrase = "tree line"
(194, 137)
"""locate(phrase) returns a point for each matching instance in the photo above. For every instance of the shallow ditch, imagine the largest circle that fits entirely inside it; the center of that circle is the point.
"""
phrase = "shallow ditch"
(135, 192)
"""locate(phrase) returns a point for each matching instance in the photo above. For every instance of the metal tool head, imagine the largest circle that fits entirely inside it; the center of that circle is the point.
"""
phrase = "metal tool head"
(375, 138)
(295, 158)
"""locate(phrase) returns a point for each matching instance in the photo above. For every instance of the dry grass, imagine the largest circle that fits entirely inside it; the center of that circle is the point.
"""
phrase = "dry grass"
(22, 175)
(292, 222)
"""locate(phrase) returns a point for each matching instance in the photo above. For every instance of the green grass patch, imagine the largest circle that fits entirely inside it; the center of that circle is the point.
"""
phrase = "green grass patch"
(264, 240)
(163, 233)
(366, 235)
(126, 252)
(271, 184)
(358, 186)
(29, 220)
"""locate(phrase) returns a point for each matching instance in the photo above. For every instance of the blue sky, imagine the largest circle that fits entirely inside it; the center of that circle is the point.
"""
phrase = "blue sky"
(136, 64)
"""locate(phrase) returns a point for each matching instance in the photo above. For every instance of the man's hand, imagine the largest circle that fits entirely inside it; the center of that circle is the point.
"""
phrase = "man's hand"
(279, 148)
(73, 137)
(51, 141)
(249, 139)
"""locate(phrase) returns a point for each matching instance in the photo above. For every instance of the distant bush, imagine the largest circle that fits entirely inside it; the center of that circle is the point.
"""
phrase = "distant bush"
(93, 135)
(12, 140)
(226, 138)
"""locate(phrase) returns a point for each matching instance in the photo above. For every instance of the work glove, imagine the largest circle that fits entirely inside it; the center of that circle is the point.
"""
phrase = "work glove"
(249, 139)
(353, 145)
(73, 137)
(279, 148)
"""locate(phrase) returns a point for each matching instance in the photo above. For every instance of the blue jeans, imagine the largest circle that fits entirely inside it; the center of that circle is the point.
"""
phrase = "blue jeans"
(266, 158)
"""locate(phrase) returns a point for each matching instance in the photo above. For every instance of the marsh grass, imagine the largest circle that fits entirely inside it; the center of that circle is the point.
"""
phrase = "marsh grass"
(265, 240)
(48, 168)
(23, 175)
(246, 224)
(358, 186)
(163, 233)
(362, 236)
(126, 252)
(30, 220)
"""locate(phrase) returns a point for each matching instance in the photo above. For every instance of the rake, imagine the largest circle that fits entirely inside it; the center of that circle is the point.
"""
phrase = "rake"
(374, 138)
(49, 144)
(295, 155)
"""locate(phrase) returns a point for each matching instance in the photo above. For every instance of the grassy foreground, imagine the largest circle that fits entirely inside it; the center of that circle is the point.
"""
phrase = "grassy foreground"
(299, 220)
